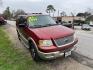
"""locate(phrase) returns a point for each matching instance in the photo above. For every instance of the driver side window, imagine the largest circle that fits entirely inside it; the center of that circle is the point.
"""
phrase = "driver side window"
(22, 20)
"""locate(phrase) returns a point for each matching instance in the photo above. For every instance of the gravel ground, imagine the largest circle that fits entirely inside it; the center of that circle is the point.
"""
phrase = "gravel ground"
(58, 64)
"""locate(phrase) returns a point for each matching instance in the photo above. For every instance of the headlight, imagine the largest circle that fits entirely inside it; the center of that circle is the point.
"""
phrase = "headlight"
(45, 43)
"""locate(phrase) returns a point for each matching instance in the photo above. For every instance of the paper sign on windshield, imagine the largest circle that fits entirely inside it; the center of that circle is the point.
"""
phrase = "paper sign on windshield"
(32, 19)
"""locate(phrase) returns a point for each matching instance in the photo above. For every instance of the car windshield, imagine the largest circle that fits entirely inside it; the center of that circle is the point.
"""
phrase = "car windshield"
(85, 25)
(40, 21)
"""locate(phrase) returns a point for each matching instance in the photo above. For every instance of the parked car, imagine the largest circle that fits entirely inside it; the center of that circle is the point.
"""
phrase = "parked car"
(85, 27)
(44, 38)
(2, 21)
(67, 24)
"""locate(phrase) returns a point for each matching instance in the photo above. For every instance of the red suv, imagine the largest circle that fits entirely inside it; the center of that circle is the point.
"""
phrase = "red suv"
(2, 21)
(44, 38)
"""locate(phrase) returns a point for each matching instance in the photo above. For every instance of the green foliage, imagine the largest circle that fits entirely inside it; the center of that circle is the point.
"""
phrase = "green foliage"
(80, 15)
(14, 59)
(50, 9)
(19, 12)
(85, 14)
(7, 14)
(90, 18)
(79, 21)
(63, 13)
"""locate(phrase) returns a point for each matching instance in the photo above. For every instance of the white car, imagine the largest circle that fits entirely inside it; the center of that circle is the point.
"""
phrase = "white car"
(85, 27)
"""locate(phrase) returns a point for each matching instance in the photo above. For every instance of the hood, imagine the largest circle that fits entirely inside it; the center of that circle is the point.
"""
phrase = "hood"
(52, 32)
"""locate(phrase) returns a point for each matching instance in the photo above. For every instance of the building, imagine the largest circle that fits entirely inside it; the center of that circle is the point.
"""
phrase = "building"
(69, 19)
(90, 20)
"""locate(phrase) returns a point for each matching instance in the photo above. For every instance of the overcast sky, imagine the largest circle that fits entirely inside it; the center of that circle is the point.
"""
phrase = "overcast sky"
(40, 5)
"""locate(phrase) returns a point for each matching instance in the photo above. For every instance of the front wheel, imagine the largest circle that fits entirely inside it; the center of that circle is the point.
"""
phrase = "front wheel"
(34, 53)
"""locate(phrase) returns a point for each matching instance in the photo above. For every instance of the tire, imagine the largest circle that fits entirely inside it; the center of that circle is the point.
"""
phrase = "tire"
(34, 53)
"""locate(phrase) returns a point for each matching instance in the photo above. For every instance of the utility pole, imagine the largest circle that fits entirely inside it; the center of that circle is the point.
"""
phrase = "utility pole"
(73, 20)
(58, 12)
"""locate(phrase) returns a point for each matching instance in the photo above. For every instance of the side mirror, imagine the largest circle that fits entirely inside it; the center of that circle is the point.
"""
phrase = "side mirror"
(22, 25)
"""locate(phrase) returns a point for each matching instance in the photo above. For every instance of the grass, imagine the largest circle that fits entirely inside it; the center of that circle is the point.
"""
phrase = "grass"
(13, 59)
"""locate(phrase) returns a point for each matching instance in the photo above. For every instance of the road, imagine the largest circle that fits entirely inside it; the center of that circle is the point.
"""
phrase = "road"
(84, 46)
(59, 64)
(85, 42)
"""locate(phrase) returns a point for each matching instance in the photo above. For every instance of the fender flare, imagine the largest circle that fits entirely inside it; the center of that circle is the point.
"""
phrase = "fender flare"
(31, 39)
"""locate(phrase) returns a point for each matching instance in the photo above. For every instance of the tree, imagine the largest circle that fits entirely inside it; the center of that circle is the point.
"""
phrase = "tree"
(80, 15)
(63, 13)
(13, 13)
(18, 12)
(50, 9)
(7, 13)
(90, 18)
(85, 14)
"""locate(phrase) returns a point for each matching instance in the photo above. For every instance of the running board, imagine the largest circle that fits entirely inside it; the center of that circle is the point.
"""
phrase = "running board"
(23, 43)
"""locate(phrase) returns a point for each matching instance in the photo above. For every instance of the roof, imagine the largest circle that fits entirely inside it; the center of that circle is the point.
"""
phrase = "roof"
(30, 15)
(66, 16)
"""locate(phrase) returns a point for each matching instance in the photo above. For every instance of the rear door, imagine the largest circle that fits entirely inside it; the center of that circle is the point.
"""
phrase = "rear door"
(22, 29)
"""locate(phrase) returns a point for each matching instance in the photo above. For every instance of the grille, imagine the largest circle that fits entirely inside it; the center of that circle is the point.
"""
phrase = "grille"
(65, 40)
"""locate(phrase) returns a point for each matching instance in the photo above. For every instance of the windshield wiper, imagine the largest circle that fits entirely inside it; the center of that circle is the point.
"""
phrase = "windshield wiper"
(51, 24)
(38, 26)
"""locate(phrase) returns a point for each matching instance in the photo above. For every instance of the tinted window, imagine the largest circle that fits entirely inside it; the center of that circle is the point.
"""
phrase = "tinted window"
(40, 20)
(21, 20)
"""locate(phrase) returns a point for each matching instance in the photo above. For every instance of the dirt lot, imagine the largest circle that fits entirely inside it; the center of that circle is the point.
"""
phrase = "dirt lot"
(58, 64)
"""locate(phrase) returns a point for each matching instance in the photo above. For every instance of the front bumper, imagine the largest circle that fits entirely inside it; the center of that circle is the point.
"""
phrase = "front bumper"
(53, 55)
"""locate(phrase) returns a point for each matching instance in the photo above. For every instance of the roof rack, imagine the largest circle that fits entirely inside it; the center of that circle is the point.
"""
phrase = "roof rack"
(36, 13)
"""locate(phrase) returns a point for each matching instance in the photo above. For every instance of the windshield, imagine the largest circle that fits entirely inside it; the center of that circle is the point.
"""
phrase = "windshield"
(86, 25)
(40, 21)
